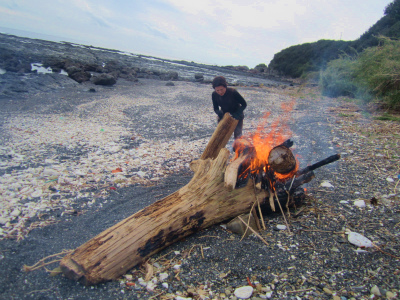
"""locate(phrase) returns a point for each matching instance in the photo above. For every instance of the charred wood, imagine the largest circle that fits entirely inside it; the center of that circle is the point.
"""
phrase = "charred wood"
(319, 164)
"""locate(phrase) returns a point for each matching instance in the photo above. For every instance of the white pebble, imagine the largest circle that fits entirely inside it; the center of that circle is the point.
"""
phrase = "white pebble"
(128, 277)
(359, 203)
(36, 193)
(80, 173)
(150, 286)
(244, 292)
(326, 183)
(4, 220)
(359, 240)
(142, 282)
(16, 213)
(163, 276)
(50, 172)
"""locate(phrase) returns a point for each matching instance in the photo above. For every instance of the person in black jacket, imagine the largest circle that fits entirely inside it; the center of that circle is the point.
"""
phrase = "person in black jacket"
(228, 100)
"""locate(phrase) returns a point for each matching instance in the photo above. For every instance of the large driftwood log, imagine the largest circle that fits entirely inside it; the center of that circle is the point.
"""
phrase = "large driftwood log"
(203, 202)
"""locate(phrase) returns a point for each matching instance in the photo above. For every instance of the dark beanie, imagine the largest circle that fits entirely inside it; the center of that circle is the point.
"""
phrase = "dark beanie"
(218, 81)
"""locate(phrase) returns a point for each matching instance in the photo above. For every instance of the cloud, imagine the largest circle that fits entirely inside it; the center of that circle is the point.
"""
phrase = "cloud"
(245, 32)
(156, 33)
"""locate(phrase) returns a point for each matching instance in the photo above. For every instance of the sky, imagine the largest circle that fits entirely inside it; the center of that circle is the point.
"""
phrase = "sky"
(235, 32)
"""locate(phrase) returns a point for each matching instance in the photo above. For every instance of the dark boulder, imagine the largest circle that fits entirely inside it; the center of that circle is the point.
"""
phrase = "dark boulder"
(55, 64)
(12, 63)
(199, 77)
(112, 66)
(80, 76)
(104, 79)
(77, 72)
(92, 67)
(129, 74)
(169, 76)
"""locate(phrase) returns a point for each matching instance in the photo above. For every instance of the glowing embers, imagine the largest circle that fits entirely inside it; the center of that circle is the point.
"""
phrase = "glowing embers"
(264, 168)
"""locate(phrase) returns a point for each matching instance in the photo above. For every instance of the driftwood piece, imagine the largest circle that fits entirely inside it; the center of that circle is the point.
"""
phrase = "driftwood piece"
(231, 172)
(220, 137)
(203, 202)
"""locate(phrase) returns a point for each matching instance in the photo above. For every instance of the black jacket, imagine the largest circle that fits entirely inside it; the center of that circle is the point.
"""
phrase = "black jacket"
(231, 102)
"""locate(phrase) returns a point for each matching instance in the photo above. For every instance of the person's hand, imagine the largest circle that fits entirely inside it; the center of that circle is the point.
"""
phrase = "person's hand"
(237, 114)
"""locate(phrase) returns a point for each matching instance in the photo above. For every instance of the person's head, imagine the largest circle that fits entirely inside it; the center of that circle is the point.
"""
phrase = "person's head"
(219, 85)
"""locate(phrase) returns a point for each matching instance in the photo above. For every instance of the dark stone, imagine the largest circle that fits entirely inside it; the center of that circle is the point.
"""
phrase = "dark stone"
(170, 83)
(92, 67)
(80, 76)
(173, 75)
(104, 79)
(198, 77)
(73, 69)
(56, 64)
(169, 76)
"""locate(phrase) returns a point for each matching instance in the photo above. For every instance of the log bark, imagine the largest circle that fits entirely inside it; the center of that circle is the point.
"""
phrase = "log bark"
(220, 137)
(203, 202)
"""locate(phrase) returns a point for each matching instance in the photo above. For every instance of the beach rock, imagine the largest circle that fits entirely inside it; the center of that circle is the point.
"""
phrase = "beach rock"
(198, 77)
(359, 240)
(79, 75)
(326, 183)
(104, 79)
(359, 203)
(281, 227)
(163, 276)
(244, 292)
(375, 291)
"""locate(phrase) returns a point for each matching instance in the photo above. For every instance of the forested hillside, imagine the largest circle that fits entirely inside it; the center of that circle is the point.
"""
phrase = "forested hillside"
(298, 60)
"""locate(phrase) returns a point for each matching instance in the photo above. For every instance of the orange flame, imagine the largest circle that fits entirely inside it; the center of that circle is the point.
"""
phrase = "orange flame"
(266, 137)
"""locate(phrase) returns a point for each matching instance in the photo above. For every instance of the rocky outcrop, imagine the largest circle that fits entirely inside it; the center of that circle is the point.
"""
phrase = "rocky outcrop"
(99, 66)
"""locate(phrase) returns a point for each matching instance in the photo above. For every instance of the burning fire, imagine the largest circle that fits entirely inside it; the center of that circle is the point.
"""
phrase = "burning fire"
(266, 138)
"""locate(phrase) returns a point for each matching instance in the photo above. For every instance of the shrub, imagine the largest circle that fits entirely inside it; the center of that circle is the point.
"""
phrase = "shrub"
(380, 71)
(338, 78)
(373, 73)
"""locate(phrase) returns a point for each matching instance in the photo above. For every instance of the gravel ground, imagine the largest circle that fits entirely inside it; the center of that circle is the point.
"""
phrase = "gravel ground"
(75, 162)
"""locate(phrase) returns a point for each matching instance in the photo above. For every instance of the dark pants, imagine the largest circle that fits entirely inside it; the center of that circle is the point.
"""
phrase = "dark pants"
(238, 130)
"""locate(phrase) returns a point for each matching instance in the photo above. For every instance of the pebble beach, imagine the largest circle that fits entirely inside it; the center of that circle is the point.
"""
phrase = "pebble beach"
(75, 162)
